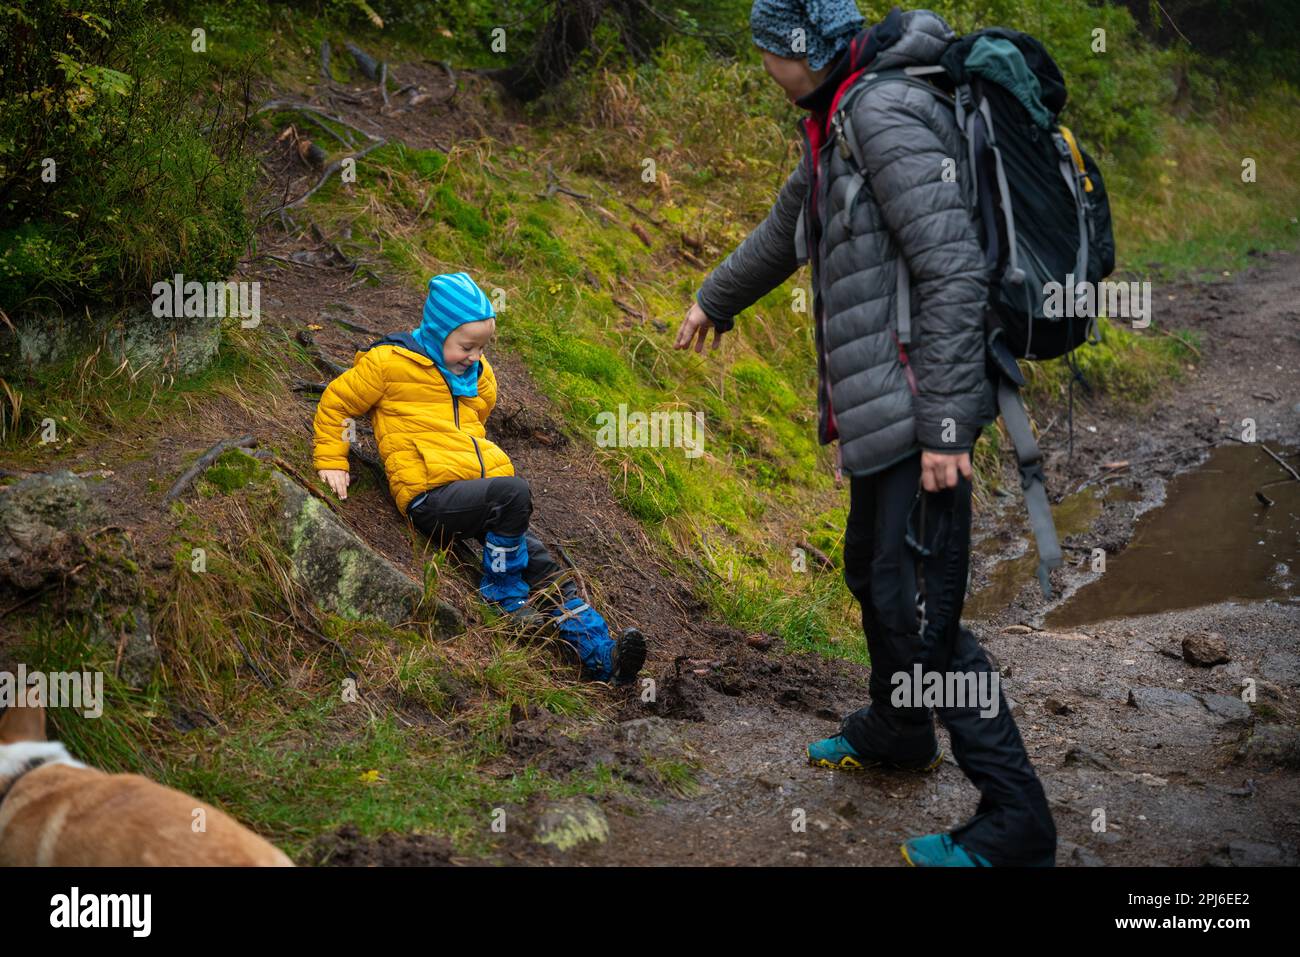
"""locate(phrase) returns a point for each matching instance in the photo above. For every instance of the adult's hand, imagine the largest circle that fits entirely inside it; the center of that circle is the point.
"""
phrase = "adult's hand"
(695, 328)
(939, 469)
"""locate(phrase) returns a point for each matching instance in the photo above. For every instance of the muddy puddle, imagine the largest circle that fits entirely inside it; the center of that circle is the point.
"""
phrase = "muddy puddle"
(1212, 540)
(1073, 516)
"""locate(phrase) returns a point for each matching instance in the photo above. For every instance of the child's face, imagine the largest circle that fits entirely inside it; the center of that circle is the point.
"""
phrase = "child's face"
(464, 345)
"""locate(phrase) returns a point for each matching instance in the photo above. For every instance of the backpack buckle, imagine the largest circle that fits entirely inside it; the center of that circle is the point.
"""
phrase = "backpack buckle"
(841, 141)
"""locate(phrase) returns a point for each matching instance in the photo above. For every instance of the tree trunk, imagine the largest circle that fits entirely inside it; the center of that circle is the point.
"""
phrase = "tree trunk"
(565, 37)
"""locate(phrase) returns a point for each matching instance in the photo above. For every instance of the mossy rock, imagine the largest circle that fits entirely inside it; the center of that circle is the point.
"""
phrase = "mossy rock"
(341, 572)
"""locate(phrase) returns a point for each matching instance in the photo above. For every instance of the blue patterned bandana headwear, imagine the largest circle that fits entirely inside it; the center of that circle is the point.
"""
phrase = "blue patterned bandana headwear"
(454, 299)
(817, 29)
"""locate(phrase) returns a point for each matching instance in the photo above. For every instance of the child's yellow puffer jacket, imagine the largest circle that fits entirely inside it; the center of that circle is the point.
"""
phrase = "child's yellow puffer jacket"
(427, 437)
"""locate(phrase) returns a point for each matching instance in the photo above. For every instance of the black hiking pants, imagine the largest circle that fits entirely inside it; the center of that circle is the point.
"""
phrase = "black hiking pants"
(1012, 824)
(473, 507)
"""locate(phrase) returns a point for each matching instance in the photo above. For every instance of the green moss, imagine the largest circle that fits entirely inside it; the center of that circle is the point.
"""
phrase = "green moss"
(233, 470)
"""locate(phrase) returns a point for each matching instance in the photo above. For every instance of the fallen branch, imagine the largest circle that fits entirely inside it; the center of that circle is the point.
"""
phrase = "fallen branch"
(455, 83)
(648, 217)
(1180, 339)
(330, 170)
(266, 455)
(576, 575)
(302, 385)
(1117, 467)
(1278, 459)
(309, 343)
(368, 65)
(314, 632)
(821, 557)
(631, 310)
(691, 258)
(248, 660)
(293, 105)
(553, 186)
(206, 459)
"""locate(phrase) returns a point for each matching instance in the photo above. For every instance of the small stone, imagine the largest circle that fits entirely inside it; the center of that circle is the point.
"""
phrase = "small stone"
(565, 824)
(1086, 758)
(1205, 650)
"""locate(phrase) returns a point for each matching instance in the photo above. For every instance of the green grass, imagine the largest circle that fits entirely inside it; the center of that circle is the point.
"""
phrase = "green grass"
(379, 727)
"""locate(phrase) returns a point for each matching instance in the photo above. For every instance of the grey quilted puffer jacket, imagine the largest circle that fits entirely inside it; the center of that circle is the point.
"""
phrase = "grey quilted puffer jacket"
(881, 401)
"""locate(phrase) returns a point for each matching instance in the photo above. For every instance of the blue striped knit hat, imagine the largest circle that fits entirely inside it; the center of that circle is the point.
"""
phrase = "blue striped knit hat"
(827, 27)
(454, 299)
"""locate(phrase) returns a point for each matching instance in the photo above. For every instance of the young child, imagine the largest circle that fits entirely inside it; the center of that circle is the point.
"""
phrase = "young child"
(430, 392)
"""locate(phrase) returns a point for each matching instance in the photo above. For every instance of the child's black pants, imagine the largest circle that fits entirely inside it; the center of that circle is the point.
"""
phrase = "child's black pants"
(473, 507)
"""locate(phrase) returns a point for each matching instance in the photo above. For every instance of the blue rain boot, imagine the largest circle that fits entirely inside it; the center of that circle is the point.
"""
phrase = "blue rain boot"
(504, 559)
(584, 628)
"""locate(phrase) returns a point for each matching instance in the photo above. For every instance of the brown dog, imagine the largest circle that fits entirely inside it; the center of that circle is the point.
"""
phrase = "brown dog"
(57, 812)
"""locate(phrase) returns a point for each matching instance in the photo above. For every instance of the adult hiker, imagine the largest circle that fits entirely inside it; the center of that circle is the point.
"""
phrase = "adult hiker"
(905, 410)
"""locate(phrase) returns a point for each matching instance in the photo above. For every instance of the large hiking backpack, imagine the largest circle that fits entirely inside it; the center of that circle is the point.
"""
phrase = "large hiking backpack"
(1045, 217)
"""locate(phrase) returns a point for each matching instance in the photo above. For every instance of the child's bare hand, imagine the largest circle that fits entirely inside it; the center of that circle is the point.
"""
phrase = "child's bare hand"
(337, 479)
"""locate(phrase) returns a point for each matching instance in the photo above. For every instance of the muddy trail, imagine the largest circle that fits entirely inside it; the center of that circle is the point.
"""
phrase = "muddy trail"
(1113, 716)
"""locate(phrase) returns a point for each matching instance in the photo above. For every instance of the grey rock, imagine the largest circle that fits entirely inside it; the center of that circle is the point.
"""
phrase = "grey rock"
(1227, 708)
(150, 345)
(41, 518)
(568, 823)
(648, 734)
(341, 572)
(1162, 699)
(1249, 854)
(51, 530)
(1082, 757)
(1086, 858)
(1274, 744)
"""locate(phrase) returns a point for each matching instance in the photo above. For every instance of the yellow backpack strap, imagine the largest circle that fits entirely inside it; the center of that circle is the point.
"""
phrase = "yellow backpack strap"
(1078, 157)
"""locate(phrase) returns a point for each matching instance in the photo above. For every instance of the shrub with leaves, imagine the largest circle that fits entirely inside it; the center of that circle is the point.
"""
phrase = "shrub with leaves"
(121, 156)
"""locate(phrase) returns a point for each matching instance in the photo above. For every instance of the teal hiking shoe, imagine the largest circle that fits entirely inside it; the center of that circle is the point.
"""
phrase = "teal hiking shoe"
(836, 753)
(939, 850)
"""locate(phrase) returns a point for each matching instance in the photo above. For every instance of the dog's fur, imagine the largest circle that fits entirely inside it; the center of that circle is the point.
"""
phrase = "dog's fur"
(61, 813)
